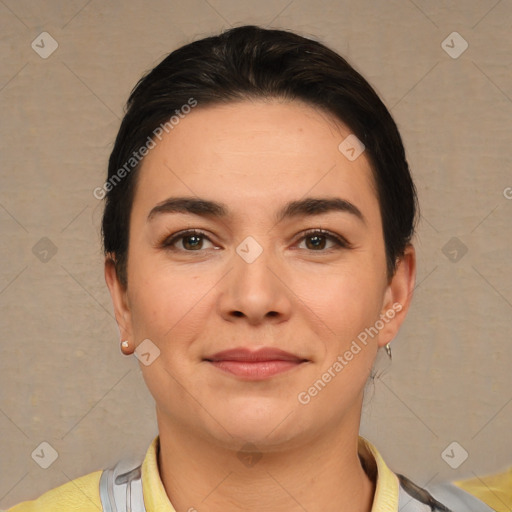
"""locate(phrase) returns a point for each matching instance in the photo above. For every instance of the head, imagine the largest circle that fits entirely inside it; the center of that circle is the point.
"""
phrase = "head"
(301, 243)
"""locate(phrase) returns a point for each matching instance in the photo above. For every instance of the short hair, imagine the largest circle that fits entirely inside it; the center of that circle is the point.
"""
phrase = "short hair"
(251, 62)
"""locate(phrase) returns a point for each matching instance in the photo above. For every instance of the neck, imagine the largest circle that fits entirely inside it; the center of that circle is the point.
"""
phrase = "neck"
(323, 475)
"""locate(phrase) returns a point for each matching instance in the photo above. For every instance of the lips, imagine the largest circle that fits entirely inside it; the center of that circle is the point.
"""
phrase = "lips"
(255, 364)
(253, 356)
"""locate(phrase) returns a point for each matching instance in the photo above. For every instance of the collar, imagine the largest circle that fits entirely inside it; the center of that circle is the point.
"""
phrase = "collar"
(387, 486)
(384, 500)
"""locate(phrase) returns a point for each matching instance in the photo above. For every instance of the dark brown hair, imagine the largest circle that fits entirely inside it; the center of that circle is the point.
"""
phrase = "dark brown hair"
(253, 62)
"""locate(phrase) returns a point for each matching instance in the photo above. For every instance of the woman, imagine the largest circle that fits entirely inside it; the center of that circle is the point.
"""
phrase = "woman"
(257, 232)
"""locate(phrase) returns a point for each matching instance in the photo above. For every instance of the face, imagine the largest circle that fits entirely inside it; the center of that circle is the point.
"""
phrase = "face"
(309, 280)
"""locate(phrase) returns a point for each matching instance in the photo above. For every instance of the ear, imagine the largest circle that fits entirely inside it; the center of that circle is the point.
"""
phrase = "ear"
(398, 296)
(119, 297)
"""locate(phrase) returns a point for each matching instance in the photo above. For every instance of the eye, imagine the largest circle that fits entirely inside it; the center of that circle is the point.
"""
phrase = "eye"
(317, 237)
(192, 240)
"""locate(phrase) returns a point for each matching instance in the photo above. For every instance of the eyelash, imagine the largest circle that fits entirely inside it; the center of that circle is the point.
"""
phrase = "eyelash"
(341, 242)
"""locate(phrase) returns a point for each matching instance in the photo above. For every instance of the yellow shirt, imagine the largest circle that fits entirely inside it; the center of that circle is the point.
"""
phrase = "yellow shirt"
(495, 490)
(82, 494)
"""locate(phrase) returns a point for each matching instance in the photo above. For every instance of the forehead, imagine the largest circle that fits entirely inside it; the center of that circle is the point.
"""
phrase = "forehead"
(253, 154)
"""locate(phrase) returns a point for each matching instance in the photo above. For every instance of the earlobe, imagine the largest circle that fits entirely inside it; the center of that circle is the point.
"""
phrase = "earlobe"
(398, 296)
(119, 299)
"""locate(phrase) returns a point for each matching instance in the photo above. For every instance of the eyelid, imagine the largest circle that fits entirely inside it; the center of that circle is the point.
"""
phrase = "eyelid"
(170, 240)
(340, 241)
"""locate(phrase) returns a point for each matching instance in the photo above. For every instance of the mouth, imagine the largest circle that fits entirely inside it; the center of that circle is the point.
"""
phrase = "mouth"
(255, 364)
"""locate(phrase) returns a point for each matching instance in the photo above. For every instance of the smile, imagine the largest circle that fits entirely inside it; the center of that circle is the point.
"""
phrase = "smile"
(255, 365)
(256, 370)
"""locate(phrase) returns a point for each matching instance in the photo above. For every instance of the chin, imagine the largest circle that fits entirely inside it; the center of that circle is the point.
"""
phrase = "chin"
(263, 428)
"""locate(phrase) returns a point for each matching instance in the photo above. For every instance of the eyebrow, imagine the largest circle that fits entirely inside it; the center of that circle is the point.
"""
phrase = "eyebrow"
(307, 207)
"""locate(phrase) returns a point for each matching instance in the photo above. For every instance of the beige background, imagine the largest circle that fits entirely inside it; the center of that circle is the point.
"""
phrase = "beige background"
(63, 379)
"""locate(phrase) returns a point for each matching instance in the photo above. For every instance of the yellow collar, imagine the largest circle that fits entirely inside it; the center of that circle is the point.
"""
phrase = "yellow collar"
(387, 488)
(386, 491)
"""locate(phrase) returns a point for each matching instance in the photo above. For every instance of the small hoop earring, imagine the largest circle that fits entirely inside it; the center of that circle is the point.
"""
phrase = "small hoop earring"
(388, 350)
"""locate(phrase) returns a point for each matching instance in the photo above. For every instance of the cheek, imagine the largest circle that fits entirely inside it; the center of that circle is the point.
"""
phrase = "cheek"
(165, 300)
(346, 301)
(348, 306)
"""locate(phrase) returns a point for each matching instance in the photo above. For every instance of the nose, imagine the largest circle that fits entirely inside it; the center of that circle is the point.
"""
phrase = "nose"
(255, 289)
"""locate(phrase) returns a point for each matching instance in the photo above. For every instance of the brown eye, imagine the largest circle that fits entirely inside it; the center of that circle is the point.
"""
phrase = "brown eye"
(316, 240)
(192, 241)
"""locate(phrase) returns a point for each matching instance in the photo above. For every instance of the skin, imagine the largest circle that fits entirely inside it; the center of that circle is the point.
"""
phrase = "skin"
(195, 300)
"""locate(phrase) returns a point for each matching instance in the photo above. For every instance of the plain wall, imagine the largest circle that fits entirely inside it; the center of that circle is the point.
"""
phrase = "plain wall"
(63, 379)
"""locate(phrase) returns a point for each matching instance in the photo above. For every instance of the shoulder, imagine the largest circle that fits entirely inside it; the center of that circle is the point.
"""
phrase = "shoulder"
(495, 490)
(81, 494)
(443, 497)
